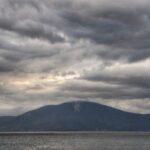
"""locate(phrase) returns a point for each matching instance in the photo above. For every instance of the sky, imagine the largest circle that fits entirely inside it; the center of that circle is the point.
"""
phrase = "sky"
(55, 51)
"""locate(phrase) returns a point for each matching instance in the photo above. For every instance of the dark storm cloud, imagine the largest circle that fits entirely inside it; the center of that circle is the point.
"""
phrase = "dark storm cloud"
(35, 31)
(23, 23)
(67, 46)
(109, 91)
(124, 29)
(136, 81)
(6, 66)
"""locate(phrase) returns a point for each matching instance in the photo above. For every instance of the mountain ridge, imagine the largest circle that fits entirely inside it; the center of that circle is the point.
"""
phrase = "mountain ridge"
(77, 116)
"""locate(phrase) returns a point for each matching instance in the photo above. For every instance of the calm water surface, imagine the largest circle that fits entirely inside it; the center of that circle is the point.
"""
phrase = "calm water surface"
(76, 141)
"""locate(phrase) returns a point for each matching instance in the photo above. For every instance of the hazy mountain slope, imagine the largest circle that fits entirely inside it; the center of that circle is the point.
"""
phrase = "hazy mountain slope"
(5, 119)
(78, 116)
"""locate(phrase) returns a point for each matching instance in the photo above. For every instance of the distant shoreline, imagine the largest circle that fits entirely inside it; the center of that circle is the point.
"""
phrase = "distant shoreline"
(76, 133)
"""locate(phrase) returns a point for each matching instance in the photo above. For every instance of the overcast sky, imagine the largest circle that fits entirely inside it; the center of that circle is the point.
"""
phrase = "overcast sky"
(54, 51)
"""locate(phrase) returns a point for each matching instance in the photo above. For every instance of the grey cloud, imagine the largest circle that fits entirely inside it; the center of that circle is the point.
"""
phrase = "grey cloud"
(126, 29)
(88, 91)
(6, 66)
(69, 38)
(137, 81)
(14, 18)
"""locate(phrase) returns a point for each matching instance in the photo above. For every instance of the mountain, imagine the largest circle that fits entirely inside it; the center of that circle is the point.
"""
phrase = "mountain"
(5, 119)
(76, 116)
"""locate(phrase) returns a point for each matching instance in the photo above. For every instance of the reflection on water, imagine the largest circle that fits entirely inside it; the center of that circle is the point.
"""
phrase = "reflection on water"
(78, 141)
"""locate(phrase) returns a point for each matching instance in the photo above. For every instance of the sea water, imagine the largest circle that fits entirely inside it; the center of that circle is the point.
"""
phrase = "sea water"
(75, 141)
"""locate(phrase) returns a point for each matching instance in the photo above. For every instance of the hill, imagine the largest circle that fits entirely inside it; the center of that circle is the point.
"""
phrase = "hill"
(76, 116)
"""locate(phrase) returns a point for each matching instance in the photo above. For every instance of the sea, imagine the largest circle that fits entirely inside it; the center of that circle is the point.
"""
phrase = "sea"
(75, 141)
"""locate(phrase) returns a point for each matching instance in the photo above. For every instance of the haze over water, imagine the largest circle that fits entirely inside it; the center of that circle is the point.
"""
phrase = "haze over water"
(76, 141)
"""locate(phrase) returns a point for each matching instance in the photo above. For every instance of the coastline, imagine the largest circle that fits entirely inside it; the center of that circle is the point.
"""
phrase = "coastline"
(109, 133)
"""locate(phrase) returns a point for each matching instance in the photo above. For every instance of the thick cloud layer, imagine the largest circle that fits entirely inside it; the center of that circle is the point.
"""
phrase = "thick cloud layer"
(52, 51)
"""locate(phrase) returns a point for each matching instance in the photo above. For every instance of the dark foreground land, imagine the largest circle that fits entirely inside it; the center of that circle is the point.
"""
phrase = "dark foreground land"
(75, 141)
